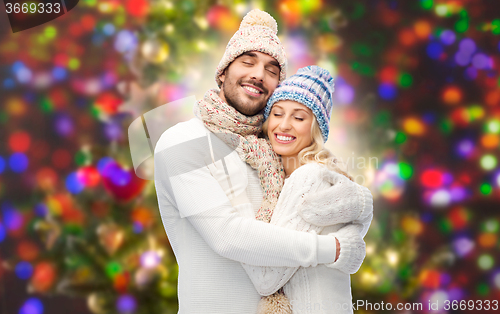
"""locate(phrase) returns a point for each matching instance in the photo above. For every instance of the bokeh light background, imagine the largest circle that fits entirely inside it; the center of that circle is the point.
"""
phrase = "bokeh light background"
(416, 119)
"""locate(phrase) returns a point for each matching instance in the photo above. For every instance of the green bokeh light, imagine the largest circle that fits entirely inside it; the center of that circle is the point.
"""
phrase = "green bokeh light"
(73, 64)
(495, 27)
(113, 269)
(405, 171)
(483, 289)
(427, 4)
(491, 225)
(446, 126)
(46, 105)
(400, 138)
(50, 32)
(485, 261)
(462, 25)
(486, 189)
(405, 80)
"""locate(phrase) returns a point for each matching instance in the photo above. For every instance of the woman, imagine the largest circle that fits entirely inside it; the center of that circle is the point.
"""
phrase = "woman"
(297, 126)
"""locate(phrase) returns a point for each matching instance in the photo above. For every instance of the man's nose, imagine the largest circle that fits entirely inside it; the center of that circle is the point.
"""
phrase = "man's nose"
(258, 72)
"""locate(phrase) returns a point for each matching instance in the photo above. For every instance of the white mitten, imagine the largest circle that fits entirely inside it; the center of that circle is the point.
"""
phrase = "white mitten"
(343, 202)
(352, 248)
(230, 178)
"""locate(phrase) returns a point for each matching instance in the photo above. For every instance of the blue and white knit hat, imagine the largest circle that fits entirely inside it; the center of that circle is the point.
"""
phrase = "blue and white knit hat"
(311, 86)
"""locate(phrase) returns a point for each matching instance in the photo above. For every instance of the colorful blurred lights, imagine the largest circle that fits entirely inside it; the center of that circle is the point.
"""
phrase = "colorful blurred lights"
(440, 198)
(481, 61)
(74, 183)
(434, 50)
(2, 164)
(24, 270)
(493, 126)
(432, 178)
(387, 91)
(32, 306)
(485, 262)
(465, 147)
(18, 162)
(463, 246)
(125, 41)
(3, 233)
(447, 37)
(467, 46)
(126, 303)
(150, 259)
(488, 162)
(344, 93)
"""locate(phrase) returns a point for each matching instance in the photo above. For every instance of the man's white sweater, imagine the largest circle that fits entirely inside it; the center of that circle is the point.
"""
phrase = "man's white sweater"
(208, 236)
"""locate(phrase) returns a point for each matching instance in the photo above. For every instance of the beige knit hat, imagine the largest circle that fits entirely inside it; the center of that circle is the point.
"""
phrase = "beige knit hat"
(257, 32)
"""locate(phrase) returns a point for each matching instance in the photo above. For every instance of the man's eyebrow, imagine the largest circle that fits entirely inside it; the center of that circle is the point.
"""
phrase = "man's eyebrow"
(250, 54)
(275, 63)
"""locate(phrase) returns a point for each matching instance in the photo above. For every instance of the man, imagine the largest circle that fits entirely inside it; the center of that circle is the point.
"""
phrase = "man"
(208, 236)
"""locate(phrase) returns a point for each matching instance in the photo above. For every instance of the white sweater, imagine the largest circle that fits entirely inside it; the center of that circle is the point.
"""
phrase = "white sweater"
(208, 236)
(321, 289)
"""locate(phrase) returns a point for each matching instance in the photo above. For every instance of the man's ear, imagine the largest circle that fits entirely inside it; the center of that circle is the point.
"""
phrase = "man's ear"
(222, 77)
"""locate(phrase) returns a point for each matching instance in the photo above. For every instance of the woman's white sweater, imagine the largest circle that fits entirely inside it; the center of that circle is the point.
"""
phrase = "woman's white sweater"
(324, 288)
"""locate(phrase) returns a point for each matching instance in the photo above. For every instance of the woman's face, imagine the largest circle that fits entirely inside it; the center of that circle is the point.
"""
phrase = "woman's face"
(289, 128)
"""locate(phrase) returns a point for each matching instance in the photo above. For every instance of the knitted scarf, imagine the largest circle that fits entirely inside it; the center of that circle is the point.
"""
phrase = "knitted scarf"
(221, 119)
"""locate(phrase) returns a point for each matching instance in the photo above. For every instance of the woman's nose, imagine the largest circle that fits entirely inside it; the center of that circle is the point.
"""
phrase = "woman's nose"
(285, 124)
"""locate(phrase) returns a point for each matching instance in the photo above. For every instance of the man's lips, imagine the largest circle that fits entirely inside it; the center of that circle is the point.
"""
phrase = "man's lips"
(250, 92)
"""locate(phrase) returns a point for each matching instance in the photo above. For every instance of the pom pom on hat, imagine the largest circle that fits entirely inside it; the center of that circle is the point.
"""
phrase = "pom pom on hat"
(259, 18)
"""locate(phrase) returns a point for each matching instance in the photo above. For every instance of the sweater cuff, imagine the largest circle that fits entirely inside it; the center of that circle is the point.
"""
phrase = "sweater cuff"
(327, 249)
(367, 205)
(347, 258)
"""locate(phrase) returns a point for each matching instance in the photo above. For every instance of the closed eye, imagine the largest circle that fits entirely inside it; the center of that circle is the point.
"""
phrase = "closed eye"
(300, 119)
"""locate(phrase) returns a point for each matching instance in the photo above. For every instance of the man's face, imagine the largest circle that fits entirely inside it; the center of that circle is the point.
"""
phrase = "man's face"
(249, 81)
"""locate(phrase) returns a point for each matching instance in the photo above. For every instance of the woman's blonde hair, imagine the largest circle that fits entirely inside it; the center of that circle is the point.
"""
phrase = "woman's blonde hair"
(316, 152)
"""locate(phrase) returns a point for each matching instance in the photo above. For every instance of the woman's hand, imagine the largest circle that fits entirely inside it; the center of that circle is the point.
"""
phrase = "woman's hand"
(344, 201)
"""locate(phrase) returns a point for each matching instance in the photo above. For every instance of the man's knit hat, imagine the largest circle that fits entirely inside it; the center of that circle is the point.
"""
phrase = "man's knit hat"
(313, 87)
(258, 32)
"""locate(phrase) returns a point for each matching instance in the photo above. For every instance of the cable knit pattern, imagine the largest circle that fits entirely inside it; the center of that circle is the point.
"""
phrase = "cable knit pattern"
(222, 120)
(319, 210)
(311, 181)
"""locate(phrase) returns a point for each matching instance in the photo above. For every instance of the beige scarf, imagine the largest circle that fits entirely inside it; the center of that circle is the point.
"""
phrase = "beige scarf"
(221, 119)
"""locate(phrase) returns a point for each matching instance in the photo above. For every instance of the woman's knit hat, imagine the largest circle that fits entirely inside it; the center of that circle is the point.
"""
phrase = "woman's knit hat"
(313, 87)
(258, 32)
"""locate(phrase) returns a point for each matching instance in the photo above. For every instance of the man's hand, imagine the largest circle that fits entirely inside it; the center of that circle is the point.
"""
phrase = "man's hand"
(338, 249)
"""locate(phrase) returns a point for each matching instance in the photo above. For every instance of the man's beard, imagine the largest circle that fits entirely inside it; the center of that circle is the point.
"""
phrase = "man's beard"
(244, 106)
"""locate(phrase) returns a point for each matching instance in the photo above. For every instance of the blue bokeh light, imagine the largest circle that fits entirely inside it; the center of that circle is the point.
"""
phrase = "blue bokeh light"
(18, 162)
(2, 164)
(32, 306)
(73, 184)
(434, 50)
(387, 91)
(59, 73)
(24, 270)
